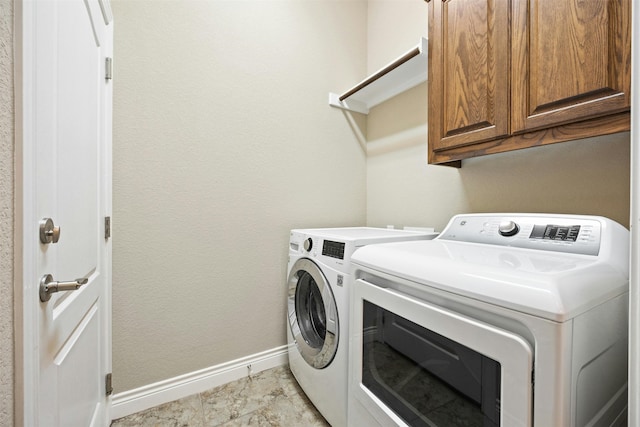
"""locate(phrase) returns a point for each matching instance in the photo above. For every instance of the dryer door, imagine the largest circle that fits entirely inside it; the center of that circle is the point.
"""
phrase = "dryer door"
(313, 315)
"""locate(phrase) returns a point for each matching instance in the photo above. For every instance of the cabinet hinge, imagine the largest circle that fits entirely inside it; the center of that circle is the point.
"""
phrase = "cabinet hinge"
(107, 384)
(107, 227)
(108, 72)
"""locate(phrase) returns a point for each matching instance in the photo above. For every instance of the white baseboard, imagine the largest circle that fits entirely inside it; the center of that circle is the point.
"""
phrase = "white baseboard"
(136, 400)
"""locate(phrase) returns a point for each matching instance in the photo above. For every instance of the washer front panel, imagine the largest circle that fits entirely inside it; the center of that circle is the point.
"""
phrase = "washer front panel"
(313, 315)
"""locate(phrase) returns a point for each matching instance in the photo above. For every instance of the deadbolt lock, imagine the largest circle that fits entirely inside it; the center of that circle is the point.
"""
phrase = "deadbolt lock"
(49, 233)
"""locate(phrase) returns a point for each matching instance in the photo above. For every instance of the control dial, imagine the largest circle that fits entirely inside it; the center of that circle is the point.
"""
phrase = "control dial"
(308, 244)
(508, 228)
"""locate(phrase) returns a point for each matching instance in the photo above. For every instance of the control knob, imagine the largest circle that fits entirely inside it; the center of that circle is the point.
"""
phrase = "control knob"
(308, 244)
(508, 228)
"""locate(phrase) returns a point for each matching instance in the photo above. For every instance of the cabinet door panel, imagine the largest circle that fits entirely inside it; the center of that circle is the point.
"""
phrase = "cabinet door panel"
(468, 72)
(570, 61)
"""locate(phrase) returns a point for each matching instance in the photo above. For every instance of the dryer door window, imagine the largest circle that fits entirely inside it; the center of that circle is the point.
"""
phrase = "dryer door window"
(312, 314)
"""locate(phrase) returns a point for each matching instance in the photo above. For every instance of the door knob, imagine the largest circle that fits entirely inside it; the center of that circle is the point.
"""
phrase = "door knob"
(48, 286)
(49, 233)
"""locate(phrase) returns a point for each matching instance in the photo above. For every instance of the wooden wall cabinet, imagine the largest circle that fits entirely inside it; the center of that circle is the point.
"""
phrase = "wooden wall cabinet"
(511, 74)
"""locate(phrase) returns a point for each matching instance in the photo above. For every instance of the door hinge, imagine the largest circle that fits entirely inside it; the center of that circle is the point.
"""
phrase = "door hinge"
(107, 227)
(533, 382)
(108, 72)
(107, 384)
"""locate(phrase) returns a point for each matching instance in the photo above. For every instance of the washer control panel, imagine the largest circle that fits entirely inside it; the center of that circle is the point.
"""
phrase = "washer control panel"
(308, 244)
(333, 249)
(562, 233)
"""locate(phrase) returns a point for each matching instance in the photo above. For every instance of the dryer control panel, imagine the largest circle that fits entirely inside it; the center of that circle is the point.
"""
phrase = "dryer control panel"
(562, 233)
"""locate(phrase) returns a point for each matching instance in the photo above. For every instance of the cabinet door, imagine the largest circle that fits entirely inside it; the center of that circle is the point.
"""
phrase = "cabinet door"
(468, 72)
(571, 61)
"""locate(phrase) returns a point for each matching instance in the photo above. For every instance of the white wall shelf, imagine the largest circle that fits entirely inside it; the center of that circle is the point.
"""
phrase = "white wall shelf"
(402, 74)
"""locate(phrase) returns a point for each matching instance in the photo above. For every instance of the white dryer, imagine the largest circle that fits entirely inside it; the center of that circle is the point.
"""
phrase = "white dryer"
(319, 283)
(503, 320)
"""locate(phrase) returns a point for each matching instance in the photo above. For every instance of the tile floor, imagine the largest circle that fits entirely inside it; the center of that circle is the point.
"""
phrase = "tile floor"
(269, 398)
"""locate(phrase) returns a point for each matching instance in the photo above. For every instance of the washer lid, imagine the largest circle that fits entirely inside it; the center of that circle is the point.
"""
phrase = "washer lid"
(551, 285)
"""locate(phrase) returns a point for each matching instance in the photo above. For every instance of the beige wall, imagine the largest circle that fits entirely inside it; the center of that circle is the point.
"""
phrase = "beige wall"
(590, 176)
(223, 141)
(6, 212)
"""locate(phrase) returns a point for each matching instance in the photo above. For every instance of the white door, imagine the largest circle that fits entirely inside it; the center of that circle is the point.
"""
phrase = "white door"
(66, 154)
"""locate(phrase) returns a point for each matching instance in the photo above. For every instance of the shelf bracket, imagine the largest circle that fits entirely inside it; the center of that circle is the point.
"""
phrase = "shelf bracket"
(348, 104)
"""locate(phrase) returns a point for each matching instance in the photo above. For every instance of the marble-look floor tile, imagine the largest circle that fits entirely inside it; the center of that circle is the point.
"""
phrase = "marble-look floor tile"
(185, 412)
(270, 398)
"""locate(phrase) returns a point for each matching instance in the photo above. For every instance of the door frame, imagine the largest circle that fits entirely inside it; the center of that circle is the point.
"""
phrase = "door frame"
(25, 315)
(26, 234)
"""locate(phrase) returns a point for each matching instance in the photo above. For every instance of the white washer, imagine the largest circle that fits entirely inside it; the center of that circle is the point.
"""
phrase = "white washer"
(503, 320)
(318, 309)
